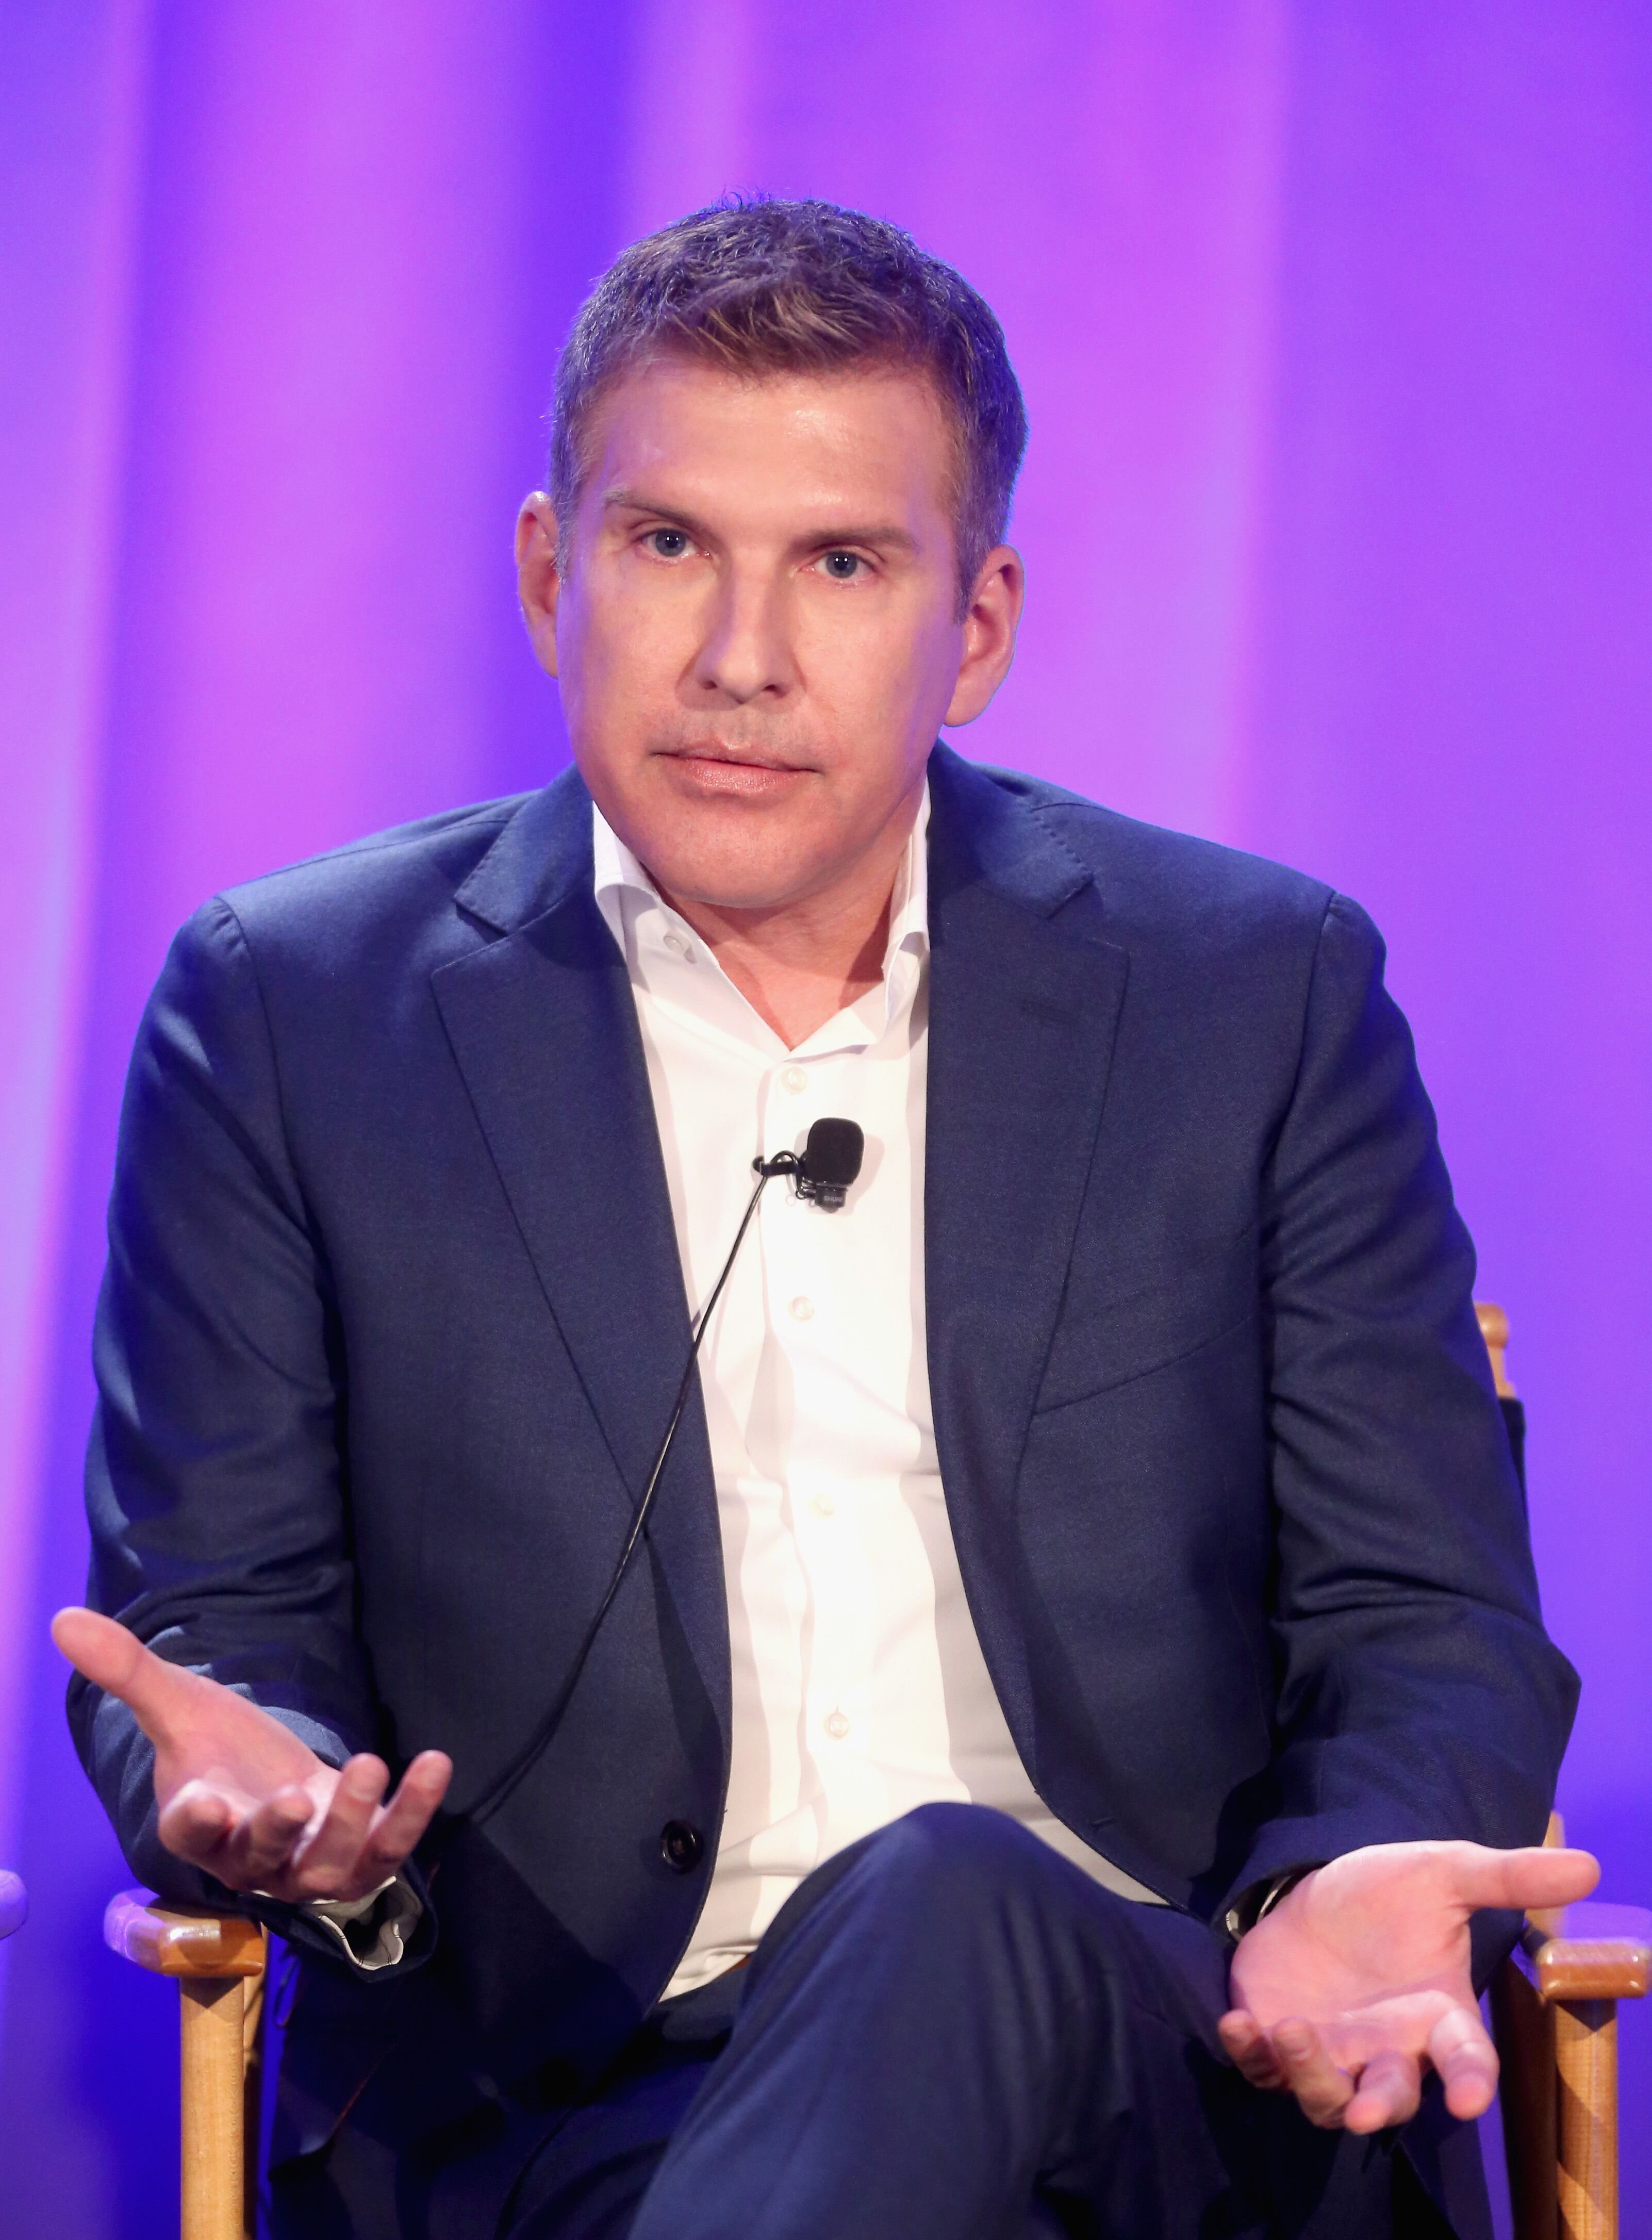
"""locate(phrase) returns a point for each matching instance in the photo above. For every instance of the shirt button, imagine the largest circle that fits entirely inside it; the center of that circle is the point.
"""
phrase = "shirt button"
(836, 1725)
(824, 1505)
(795, 1079)
(676, 944)
(801, 1310)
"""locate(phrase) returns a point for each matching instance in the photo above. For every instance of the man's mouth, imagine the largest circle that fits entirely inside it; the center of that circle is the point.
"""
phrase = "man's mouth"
(744, 772)
(743, 757)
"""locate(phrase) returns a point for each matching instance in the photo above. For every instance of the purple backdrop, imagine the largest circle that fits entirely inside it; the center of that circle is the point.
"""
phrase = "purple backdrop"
(1335, 325)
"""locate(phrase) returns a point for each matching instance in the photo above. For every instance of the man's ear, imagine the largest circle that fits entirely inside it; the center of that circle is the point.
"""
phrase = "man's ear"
(990, 621)
(538, 579)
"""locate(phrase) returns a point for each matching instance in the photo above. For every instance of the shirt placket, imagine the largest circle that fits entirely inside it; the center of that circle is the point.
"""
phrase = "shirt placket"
(808, 1315)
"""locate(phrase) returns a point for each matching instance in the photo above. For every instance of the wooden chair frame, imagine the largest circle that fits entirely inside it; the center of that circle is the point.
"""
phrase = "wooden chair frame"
(1553, 2012)
(220, 1961)
(1554, 2007)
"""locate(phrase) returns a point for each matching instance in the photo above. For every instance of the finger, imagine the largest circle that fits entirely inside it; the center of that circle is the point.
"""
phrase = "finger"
(1321, 2089)
(1535, 1876)
(113, 1658)
(408, 1814)
(1245, 2043)
(324, 1864)
(197, 1822)
(260, 1848)
(1466, 2060)
(1390, 2090)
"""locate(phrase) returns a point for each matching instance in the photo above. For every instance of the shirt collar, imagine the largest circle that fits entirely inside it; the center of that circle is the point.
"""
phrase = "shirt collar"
(629, 899)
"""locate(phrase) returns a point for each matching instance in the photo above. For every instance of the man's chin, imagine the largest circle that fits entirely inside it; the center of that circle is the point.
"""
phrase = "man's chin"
(740, 889)
(747, 871)
(756, 849)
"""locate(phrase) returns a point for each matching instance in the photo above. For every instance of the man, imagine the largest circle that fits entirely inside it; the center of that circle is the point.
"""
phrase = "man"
(1082, 1668)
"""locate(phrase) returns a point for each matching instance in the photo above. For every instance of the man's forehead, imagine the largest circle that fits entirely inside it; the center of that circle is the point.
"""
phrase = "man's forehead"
(690, 426)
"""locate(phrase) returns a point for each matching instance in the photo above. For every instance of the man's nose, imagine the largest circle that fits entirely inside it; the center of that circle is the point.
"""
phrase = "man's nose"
(747, 651)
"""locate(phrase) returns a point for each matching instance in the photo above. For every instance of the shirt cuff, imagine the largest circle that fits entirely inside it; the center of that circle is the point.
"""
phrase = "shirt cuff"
(374, 1931)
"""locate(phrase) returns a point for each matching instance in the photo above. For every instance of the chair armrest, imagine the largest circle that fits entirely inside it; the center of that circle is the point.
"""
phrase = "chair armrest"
(1590, 1952)
(175, 1940)
(14, 1901)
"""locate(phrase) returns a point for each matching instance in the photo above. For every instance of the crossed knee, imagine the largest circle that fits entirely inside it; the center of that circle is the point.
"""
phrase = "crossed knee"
(962, 1860)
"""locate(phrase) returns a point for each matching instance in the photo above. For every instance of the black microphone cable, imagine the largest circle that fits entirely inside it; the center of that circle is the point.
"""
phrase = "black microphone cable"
(830, 1161)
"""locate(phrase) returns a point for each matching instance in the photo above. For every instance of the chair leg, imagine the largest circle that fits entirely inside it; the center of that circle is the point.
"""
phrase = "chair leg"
(1586, 2056)
(251, 2097)
(214, 2074)
(1524, 2028)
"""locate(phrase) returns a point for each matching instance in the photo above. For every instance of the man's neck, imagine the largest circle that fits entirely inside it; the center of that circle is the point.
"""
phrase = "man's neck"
(800, 965)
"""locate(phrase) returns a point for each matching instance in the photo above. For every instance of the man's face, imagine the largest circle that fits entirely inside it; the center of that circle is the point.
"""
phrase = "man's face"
(757, 636)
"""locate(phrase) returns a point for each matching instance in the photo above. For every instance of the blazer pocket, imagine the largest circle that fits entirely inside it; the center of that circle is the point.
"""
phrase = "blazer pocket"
(1152, 1328)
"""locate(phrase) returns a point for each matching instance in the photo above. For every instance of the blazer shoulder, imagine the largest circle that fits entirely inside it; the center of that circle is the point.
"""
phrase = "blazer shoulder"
(409, 865)
(355, 923)
(1154, 884)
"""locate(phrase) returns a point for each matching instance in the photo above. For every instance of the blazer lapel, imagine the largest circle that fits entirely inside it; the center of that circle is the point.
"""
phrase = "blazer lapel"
(543, 1028)
(1024, 1001)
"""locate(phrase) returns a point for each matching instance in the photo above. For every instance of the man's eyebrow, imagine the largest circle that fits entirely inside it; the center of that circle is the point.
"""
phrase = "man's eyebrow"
(885, 533)
(889, 534)
(634, 501)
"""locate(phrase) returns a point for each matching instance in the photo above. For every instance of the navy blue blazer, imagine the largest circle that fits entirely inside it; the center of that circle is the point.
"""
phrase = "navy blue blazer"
(394, 1318)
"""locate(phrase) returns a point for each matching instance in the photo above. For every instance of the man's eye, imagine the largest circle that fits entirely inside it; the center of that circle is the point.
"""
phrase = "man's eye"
(667, 543)
(843, 567)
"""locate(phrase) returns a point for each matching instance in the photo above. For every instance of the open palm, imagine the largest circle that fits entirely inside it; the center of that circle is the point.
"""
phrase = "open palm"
(239, 1794)
(1358, 1981)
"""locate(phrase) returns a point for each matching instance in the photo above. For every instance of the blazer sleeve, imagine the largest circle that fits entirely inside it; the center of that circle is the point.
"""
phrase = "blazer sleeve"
(1418, 1695)
(216, 1487)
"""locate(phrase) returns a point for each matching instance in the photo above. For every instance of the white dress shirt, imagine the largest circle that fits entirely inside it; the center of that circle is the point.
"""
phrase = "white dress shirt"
(860, 1690)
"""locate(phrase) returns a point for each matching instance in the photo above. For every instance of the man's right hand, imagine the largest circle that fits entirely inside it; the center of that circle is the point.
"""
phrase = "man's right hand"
(239, 1794)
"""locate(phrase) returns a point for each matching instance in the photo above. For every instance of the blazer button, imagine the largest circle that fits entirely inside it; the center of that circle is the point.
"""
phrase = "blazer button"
(680, 1846)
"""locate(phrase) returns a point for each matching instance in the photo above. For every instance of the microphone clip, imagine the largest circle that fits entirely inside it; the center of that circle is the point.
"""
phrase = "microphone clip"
(828, 1195)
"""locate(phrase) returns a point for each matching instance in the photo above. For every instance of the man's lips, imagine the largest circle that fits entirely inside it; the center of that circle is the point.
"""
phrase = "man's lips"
(715, 768)
(745, 759)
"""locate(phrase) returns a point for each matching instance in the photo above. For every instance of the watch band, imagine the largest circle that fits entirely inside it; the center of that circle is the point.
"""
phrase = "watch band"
(1258, 1902)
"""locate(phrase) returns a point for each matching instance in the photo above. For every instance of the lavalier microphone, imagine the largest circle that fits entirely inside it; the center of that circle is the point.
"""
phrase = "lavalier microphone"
(829, 1162)
(821, 1173)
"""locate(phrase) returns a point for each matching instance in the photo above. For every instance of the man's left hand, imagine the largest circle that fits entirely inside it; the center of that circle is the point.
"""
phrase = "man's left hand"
(1357, 1983)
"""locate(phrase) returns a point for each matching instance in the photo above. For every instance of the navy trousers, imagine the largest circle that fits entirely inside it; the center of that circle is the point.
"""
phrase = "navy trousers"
(951, 2032)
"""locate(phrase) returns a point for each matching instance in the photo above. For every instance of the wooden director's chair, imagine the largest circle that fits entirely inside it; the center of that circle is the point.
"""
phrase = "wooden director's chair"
(1553, 2012)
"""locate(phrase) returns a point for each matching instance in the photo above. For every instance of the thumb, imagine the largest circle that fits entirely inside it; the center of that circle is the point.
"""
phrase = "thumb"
(114, 1659)
(1523, 1880)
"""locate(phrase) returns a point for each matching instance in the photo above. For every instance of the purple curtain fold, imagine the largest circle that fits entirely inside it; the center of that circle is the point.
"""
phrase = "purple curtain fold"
(1335, 326)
